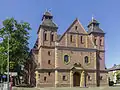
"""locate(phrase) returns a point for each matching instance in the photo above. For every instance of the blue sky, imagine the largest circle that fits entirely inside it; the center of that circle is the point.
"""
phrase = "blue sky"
(107, 12)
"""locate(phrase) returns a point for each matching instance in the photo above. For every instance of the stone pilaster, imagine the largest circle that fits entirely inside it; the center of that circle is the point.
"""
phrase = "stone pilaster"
(95, 59)
(95, 68)
(95, 80)
(71, 78)
(56, 78)
(40, 58)
(86, 41)
(76, 40)
(36, 78)
(56, 65)
(82, 80)
(66, 40)
(56, 55)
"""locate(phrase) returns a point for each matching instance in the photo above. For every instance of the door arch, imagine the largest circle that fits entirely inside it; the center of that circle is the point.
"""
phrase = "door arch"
(76, 79)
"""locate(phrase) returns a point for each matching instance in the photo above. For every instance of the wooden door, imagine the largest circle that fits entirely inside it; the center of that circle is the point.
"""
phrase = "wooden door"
(76, 79)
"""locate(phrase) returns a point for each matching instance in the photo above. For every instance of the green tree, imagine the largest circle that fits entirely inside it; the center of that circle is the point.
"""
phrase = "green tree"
(3, 59)
(18, 33)
(118, 75)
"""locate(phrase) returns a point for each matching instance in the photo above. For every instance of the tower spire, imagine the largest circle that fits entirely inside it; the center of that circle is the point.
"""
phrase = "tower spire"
(93, 26)
(47, 19)
(92, 21)
(48, 10)
(47, 15)
(92, 17)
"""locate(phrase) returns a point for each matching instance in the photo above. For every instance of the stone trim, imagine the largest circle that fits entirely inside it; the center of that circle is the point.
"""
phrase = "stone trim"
(48, 47)
(56, 78)
(71, 48)
(76, 49)
(68, 70)
(50, 27)
(101, 50)
(77, 33)
(96, 33)
(42, 26)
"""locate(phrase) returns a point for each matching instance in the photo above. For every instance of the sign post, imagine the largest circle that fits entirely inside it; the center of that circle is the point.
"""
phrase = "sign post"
(11, 81)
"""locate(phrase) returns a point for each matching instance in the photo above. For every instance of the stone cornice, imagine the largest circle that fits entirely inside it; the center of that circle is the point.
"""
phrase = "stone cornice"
(76, 49)
(77, 33)
(101, 50)
(64, 70)
(48, 28)
(71, 48)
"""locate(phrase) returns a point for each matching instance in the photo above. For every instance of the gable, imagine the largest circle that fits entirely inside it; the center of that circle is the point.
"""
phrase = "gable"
(77, 28)
(77, 31)
(73, 29)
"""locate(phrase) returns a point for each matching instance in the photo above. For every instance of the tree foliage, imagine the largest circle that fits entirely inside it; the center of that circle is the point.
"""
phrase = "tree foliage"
(118, 75)
(18, 33)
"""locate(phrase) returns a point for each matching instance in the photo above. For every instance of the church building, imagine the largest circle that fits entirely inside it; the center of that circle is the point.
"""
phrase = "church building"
(74, 59)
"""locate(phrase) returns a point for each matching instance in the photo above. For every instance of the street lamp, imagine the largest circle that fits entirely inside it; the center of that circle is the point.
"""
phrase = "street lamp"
(8, 65)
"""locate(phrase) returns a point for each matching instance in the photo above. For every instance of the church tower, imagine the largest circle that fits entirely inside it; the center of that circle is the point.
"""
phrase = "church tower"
(47, 36)
(97, 36)
(47, 32)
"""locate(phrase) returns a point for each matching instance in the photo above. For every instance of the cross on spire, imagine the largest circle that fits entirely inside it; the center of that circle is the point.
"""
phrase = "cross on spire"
(47, 10)
(92, 17)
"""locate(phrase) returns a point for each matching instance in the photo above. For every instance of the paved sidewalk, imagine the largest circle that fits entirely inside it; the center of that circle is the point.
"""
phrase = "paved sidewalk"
(68, 88)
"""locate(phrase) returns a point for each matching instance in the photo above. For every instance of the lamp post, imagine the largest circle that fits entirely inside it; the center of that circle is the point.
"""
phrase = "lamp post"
(1, 78)
(8, 66)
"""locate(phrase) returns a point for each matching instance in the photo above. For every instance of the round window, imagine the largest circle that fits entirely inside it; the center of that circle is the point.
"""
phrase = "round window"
(66, 59)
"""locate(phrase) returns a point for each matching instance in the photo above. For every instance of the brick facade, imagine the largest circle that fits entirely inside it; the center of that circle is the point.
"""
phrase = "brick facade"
(77, 58)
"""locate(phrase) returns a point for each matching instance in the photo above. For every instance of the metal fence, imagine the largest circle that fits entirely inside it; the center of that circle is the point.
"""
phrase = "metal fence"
(3, 86)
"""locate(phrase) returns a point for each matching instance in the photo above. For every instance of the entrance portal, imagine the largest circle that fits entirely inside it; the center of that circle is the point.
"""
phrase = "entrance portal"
(76, 79)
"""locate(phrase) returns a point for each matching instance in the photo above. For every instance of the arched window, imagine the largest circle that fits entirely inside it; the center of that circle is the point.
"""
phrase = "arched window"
(95, 42)
(49, 62)
(71, 38)
(75, 27)
(45, 78)
(52, 37)
(81, 39)
(49, 53)
(86, 59)
(100, 42)
(45, 35)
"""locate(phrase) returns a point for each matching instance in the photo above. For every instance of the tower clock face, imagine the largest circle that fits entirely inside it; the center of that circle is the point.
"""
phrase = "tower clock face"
(66, 59)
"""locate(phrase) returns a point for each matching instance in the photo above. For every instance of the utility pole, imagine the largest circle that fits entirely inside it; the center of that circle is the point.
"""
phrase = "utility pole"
(8, 66)
(1, 79)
